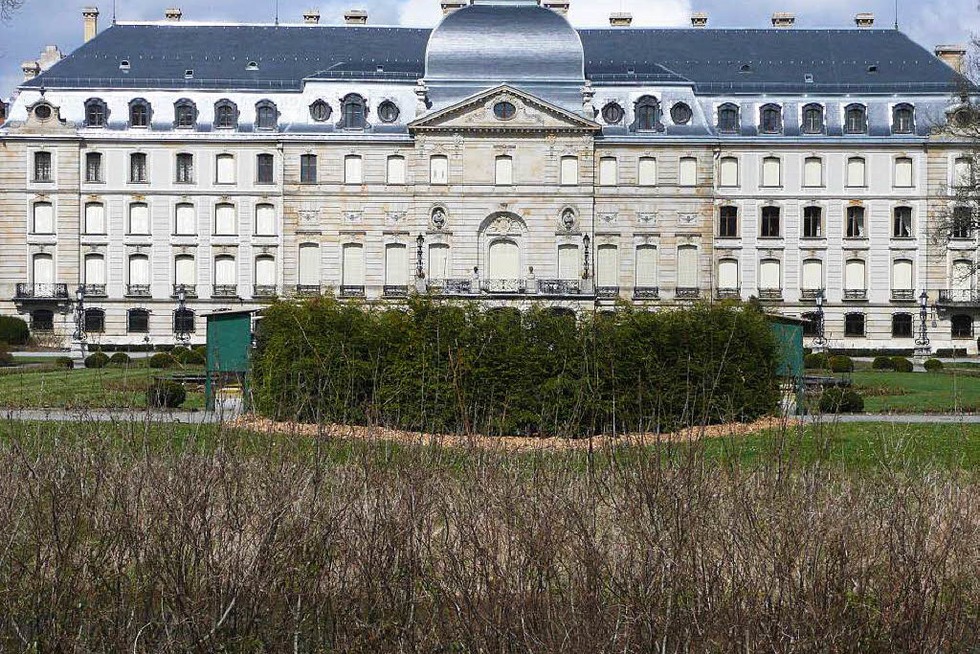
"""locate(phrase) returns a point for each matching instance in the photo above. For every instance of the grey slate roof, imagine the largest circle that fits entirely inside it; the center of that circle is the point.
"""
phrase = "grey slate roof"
(710, 59)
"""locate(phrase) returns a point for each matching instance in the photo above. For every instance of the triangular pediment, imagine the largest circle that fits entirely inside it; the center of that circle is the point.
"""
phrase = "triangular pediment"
(477, 112)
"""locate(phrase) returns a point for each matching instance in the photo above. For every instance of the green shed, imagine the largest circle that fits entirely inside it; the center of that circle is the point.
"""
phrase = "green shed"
(229, 345)
(788, 333)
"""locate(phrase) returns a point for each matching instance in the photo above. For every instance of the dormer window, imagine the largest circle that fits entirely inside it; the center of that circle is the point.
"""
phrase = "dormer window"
(647, 114)
(266, 115)
(124, 65)
(354, 111)
(95, 113)
(771, 119)
(903, 119)
(139, 113)
(613, 114)
(855, 119)
(388, 112)
(185, 114)
(320, 111)
(812, 119)
(43, 111)
(252, 66)
(225, 114)
(728, 119)
(681, 114)
(189, 74)
(504, 110)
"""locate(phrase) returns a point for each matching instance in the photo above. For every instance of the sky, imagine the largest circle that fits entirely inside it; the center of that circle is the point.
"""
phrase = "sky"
(42, 22)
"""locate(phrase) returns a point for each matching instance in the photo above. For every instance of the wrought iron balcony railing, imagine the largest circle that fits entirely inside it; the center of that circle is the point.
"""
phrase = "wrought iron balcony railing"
(683, 293)
(451, 286)
(224, 290)
(771, 294)
(903, 295)
(607, 292)
(350, 291)
(728, 293)
(94, 290)
(189, 289)
(855, 294)
(307, 290)
(959, 297)
(559, 287)
(138, 290)
(646, 293)
(503, 286)
(265, 291)
(42, 292)
(811, 294)
(396, 291)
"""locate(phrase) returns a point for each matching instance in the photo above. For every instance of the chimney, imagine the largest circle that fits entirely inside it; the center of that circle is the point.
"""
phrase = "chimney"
(356, 16)
(173, 14)
(49, 57)
(865, 20)
(311, 16)
(31, 70)
(558, 6)
(783, 19)
(620, 19)
(449, 6)
(699, 19)
(953, 56)
(90, 19)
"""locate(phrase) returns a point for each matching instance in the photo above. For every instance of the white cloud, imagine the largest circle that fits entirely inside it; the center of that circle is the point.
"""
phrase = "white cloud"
(420, 13)
(427, 13)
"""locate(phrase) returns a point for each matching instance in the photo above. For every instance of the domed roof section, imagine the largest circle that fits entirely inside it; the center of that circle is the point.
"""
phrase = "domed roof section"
(505, 41)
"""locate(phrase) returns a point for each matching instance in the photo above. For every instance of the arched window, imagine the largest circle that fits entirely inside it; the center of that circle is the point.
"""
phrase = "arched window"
(185, 221)
(647, 114)
(902, 325)
(771, 119)
(854, 325)
(728, 118)
(903, 172)
(855, 119)
(813, 119)
(396, 170)
(265, 276)
(138, 321)
(812, 275)
(856, 172)
(43, 222)
(728, 282)
(903, 119)
(184, 321)
(42, 272)
(95, 218)
(265, 220)
(855, 222)
(266, 115)
(139, 276)
(95, 275)
(95, 321)
(354, 112)
(225, 221)
(855, 279)
(185, 113)
(225, 114)
(504, 260)
(42, 320)
(139, 113)
(225, 276)
(309, 269)
(811, 324)
(770, 275)
(93, 167)
(96, 113)
(961, 326)
(185, 273)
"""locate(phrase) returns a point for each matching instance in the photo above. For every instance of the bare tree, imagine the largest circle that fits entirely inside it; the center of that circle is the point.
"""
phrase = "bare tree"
(8, 7)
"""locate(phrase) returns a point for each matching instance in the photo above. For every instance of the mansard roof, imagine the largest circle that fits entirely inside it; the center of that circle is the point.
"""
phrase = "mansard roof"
(713, 61)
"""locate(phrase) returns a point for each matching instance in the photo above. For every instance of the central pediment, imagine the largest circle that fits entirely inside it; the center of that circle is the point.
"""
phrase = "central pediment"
(504, 109)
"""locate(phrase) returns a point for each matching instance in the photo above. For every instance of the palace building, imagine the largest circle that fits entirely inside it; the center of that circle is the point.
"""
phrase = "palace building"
(164, 170)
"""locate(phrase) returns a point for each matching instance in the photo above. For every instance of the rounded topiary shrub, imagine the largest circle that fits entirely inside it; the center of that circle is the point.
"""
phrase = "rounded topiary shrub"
(180, 353)
(64, 362)
(815, 361)
(165, 394)
(97, 360)
(933, 365)
(902, 364)
(841, 400)
(883, 363)
(194, 358)
(162, 361)
(14, 331)
(120, 359)
(841, 364)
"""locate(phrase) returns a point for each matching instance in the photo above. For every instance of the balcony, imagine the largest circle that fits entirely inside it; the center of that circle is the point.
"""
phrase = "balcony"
(396, 292)
(646, 293)
(855, 295)
(451, 287)
(265, 291)
(138, 290)
(771, 294)
(503, 286)
(903, 295)
(726, 293)
(307, 290)
(225, 291)
(189, 289)
(94, 290)
(687, 293)
(959, 298)
(559, 287)
(352, 292)
(42, 292)
(607, 292)
(811, 294)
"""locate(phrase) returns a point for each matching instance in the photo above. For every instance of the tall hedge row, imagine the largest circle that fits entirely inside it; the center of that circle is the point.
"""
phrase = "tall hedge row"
(465, 369)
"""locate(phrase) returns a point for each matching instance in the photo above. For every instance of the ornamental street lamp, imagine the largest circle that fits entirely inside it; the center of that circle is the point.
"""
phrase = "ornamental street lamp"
(922, 343)
(79, 334)
(419, 268)
(587, 242)
(821, 341)
(180, 318)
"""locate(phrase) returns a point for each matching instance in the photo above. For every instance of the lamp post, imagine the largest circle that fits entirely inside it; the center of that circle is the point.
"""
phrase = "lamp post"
(587, 242)
(180, 322)
(79, 334)
(821, 341)
(922, 343)
(419, 268)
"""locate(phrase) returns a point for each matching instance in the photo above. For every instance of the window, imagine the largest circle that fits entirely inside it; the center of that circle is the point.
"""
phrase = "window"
(962, 172)
(569, 268)
(352, 270)
(439, 170)
(224, 166)
(94, 218)
(353, 170)
(307, 169)
(569, 171)
(813, 172)
(854, 275)
(681, 114)
(185, 168)
(855, 222)
(138, 168)
(770, 275)
(728, 222)
(43, 218)
(812, 222)
(396, 174)
(42, 320)
(608, 171)
(902, 222)
(185, 223)
(42, 269)
(854, 325)
(687, 267)
(185, 271)
(856, 172)
(607, 266)
(95, 113)
(265, 276)
(647, 171)
(139, 113)
(504, 171)
(728, 119)
(728, 172)
(646, 266)
(93, 167)
(902, 325)
(770, 222)
(185, 114)
(354, 112)
(139, 275)
(139, 218)
(94, 321)
(396, 265)
(647, 114)
(962, 227)
(812, 275)
(811, 325)
(138, 321)
(903, 172)
(439, 262)
(225, 114)
(613, 114)
(728, 274)
(266, 115)
(688, 171)
(320, 111)
(961, 279)
(961, 326)
(771, 169)
(813, 119)
(265, 169)
(855, 119)
(225, 276)
(388, 112)
(224, 220)
(309, 265)
(183, 321)
(95, 275)
(902, 275)
(771, 119)
(903, 119)
(504, 110)
(42, 167)
(265, 220)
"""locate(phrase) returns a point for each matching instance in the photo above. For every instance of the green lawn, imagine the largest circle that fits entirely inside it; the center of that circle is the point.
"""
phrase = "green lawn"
(106, 388)
(946, 392)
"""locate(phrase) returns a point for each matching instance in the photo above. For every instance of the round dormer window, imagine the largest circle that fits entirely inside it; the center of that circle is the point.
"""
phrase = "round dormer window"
(681, 114)
(42, 111)
(613, 114)
(504, 110)
(388, 112)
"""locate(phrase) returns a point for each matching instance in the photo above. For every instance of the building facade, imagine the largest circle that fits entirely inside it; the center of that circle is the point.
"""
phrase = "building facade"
(170, 169)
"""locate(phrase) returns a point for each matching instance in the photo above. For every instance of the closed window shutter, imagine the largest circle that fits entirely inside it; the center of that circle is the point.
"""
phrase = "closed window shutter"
(770, 171)
(224, 271)
(854, 277)
(396, 265)
(568, 262)
(903, 172)
(265, 271)
(226, 169)
(687, 266)
(569, 171)
(224, 220)
(139, 218)
(139, 270)
(439, 170)
(770, 274)
(608, 172)
(646, 266)
(185, 219)
(353, 270)
(729, 171)
(43, 269)
(505, 262)
(309, 265)
(95, 269)
(648, 171)
(813, 172)
(185, 271)
(352, 170)
(855, 172)
(396, 170)
(94, 219)
(44, 218)
(812, 274)
(689, 171)
(902, 275)
(439, 261)
(727, 274)
(504, 171)
(607, 265)
(265, 220)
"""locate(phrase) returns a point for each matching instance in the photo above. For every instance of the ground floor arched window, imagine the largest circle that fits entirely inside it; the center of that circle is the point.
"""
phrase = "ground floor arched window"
(183, 321)
(811, 325)
(854, 325)
(902, 325)
(962, 326)
(138, 321)
(42, 320)
(94, 321)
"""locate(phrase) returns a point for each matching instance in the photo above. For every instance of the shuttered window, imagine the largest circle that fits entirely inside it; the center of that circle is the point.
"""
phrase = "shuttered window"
(608, 171)
(647, 172)
(139, 270)
(813, 172)
(903, 172)
(353, 173)
(569, 171)
(854, 275)
(185, 271)
(855, 172)
(225, 273)
(439, 170)
(353, 265)
(771, 171)
(646, 266)
(42, 267)
(95, 218)
(95, 273)
(607, 265)
(687, 266)
(396, 265)
(568, 262)
(265, 271)
(224, 219)
(729, 172)
(439, 261)
(770, 274)
(504, 175)
(396, 170)
(185, 222)
(225, 169)
(727, 274)
(812, 274)
(265, 220)
(902, 275)
(43, 218)
(139, 218)
(309, 264)
(688, 173)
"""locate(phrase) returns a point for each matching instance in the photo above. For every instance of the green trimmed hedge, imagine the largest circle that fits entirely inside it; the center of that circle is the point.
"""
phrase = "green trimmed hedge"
(841, 400)
(97, 360)
(14, 331)
(901, 364)
(816, 361)
(933, 365)
(841, 364)
(462, 369)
